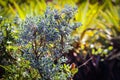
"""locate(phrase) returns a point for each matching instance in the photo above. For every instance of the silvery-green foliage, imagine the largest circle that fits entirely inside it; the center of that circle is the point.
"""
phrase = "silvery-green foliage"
(46, 38)
(1, 37)
(17, 20)
(1, 33)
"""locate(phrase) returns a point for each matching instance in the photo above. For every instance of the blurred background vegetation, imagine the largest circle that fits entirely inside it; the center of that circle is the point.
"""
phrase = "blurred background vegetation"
(98, 35)
(91, 13)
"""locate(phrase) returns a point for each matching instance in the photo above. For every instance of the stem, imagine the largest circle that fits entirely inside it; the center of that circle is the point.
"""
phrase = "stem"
(85, 62)
(34, 44)
(62, 43)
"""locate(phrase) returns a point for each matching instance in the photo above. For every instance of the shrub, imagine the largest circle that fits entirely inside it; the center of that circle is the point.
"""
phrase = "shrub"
(6, 39)
(45, 39)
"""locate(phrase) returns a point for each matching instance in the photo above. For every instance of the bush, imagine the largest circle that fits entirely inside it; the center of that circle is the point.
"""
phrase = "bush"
(45, 39)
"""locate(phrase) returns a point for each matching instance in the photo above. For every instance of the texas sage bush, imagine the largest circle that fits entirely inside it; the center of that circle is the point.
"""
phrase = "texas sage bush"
(12, 65)
(45, 39)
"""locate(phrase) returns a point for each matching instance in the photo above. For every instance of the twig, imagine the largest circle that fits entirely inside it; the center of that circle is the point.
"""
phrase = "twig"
(85, 62)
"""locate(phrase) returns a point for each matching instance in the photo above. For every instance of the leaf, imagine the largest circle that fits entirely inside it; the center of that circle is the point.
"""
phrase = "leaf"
(20, 12)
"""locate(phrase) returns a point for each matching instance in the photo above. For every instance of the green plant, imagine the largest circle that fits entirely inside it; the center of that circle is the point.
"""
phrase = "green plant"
(110, 18)
(45, 40)
(20, 70)
(12, 66)
(6, 41)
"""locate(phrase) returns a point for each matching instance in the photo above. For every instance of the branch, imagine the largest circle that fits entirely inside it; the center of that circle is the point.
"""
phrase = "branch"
(85, 62)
